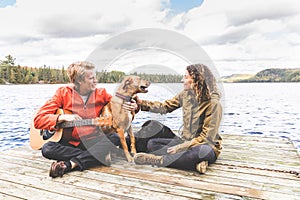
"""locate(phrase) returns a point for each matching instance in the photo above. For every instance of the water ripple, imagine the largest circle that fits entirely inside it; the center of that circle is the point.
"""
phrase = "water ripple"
(248, 108)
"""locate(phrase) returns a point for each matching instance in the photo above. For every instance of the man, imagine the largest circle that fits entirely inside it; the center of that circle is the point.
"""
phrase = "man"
(80, 147)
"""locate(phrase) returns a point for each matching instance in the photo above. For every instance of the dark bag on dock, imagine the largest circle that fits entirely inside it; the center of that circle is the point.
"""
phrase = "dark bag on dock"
(151, 129)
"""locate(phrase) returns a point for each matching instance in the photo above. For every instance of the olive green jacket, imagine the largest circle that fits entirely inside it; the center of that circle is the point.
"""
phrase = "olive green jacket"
(201, 121)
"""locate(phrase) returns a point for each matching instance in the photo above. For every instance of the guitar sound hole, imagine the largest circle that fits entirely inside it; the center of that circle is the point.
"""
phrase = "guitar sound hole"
(47, 134)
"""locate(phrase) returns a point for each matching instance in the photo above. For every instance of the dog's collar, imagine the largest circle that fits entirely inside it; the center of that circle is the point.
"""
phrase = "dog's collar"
(126, 98)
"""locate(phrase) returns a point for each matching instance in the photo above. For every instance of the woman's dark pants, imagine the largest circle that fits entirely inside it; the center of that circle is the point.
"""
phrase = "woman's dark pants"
(182, 160)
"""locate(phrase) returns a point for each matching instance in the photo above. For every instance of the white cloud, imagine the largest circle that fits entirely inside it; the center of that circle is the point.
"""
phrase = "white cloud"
(137, 59)
(50, 32)
(239, 36)
(246, 36)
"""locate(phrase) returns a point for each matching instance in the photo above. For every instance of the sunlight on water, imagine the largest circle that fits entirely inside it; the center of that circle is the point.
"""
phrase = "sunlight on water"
(270, 109)
(249, 108)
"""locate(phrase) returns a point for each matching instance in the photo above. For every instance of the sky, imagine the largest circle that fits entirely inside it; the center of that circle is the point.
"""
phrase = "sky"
(238, 36)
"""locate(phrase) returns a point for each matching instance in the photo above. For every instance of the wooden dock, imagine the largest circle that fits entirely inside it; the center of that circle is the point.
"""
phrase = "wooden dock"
(250, 167)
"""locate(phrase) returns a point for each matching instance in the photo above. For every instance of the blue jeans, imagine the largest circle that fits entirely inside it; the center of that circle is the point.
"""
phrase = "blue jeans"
(186, 160)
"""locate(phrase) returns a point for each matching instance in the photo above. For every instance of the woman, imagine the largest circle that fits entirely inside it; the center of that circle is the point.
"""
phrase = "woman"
(202, 113)
(80, 147)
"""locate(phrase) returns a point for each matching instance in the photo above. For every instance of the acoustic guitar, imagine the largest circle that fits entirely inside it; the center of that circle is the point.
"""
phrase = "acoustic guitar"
(39, 137)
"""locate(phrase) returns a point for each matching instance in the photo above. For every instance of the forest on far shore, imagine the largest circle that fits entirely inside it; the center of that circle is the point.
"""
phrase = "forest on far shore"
(16, 74)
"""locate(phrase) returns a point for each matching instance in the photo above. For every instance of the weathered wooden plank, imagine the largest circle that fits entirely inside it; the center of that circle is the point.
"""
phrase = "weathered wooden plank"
(257, 165)
(219, 168)
(273, 184)
(214, 169)
(28, 192)
(153, 187)
(273, 153)
(229, 139)
(267, 144)
(261, 141)
(260, 150)
(8, 197)
(157, 189)
(88, 188)
(162, 168)
(102, 182)
(201, 185)
(257, 145)
(247, 181)
(249, 137)
(260, 153)
(102, 176)
(38, 180)
(221, 175)
(275, 163)
(242, 171)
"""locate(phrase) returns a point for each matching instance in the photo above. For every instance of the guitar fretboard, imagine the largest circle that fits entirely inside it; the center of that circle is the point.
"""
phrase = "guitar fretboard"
(84, 122)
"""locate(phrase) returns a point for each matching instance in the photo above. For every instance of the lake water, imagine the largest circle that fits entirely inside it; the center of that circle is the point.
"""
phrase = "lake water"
(270, 109)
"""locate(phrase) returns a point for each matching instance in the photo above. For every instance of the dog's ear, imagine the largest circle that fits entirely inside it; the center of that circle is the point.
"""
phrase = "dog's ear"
(127, 82)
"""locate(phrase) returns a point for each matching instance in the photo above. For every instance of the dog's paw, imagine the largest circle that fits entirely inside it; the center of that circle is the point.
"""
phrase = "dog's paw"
(133, 152)
(129, 158)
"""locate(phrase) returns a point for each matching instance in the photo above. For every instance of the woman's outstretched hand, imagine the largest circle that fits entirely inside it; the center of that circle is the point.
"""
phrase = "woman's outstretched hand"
(133, 105)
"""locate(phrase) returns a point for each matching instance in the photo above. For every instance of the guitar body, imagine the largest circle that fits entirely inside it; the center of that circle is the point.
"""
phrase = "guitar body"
(36, 136)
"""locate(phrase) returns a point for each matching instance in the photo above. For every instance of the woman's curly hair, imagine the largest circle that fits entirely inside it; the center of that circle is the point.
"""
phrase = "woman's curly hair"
(204, 82)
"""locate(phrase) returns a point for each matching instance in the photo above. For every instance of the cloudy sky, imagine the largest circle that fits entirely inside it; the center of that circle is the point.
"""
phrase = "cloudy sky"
(238, 36)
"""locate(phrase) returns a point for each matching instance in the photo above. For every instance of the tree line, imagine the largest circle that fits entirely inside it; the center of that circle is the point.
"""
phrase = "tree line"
(16, 74)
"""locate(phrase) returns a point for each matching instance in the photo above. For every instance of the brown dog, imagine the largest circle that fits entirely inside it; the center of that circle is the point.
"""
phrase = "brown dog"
(121, 118)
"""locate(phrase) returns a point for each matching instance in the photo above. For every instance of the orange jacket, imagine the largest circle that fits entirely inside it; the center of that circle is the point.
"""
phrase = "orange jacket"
(68, 99)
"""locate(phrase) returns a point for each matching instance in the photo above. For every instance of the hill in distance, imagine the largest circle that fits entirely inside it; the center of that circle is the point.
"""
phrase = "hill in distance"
(267, 75)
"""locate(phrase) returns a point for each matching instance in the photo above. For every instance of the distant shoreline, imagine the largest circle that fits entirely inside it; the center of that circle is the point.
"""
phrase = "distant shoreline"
(273, 75)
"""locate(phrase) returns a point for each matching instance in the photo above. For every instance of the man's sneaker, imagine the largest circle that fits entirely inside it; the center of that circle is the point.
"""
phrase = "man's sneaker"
(148, 159)
(58, 168)
(201, 167)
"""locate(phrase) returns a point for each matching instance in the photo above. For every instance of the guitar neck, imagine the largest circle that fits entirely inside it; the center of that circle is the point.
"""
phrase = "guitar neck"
(84, 122)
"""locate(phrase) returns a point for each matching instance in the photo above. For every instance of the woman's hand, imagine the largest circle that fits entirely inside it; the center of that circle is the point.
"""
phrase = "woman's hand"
(131, 106)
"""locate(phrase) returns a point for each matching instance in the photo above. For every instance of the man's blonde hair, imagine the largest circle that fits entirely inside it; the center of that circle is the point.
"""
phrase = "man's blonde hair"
(76, 71)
